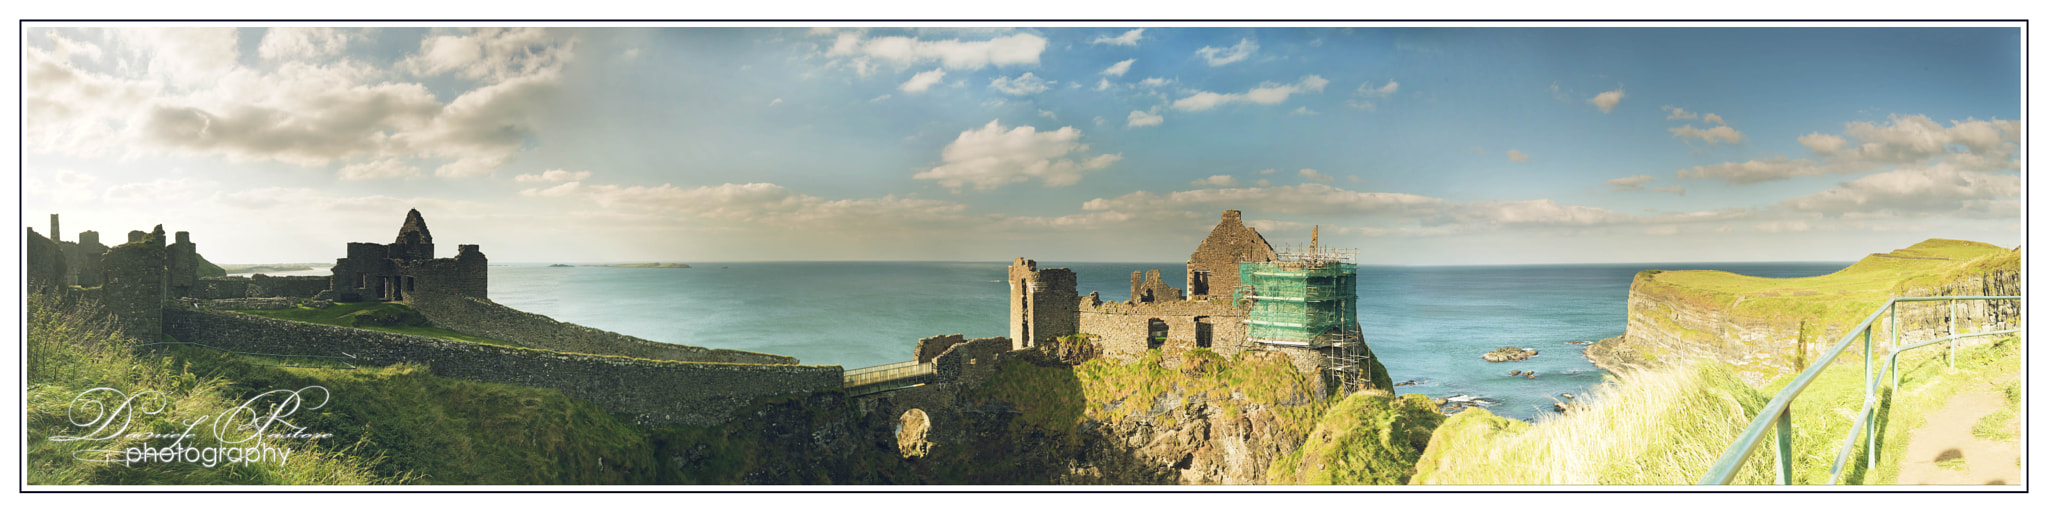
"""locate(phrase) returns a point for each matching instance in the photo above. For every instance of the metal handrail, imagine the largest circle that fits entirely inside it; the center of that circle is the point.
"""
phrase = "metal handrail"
(1778, 412)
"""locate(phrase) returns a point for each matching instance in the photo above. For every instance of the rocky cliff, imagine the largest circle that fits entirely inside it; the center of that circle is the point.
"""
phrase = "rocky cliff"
(1765, 327)
(1046, 415)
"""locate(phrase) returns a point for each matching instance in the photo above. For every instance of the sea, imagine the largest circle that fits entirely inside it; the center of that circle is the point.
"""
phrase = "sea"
(1428, 325)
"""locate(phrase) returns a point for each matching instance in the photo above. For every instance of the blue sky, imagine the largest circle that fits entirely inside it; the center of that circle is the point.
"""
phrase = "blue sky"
(1417, 145)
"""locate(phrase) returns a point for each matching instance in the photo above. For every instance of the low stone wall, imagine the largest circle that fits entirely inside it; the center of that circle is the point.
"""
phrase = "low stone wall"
(647, 392)
(929, 348)
(485, 318)
(1122, 328)
(255, 303)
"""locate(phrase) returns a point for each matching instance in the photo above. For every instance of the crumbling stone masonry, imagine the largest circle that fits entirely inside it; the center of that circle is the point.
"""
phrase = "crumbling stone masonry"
(396, 271)
(1044, 304)
(134, 291)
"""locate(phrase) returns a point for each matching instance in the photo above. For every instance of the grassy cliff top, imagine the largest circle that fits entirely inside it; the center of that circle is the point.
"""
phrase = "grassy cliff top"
(1876, 276)
(1838, 299)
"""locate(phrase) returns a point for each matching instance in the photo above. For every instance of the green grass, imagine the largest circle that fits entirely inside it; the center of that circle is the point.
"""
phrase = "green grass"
(1663, 426)
(448, 431)
(72, 350)
(1818, 305)
(1666, 426)
(1953, 465)
(346, 314)
(1999, 425)
(1369, 438)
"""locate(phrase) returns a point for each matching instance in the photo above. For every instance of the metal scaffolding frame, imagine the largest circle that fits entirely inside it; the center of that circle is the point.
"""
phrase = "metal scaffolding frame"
(1307, 297)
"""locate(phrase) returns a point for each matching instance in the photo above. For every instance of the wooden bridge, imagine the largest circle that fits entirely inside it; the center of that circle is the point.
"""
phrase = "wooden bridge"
(883, 378)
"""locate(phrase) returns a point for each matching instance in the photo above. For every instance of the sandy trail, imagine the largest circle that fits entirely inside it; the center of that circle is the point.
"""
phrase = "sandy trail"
(1946, 436)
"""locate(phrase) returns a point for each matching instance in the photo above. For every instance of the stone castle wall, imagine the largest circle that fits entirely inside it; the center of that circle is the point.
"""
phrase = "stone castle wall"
(1123, 329)
(1041, 303)
(485, 318)
(134, 291)
(46, 263)
(647, 392)
(236, 287)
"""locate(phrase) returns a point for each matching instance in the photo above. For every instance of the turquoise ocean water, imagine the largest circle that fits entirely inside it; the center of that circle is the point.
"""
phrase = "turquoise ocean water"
(1427, 324)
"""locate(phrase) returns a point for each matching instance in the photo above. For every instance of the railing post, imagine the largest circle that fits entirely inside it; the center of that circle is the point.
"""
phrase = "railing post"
(1785, 446)
(1952, 332)
(1869, 390)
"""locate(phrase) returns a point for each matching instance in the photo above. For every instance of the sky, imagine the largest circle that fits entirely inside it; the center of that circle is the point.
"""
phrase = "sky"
(1416, 145)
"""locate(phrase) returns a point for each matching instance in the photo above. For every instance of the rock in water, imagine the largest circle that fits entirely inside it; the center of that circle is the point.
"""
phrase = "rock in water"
(1508, 354)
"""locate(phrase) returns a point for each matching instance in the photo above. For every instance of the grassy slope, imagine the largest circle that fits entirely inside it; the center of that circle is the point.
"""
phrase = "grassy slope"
(344, 314)
(69, 353)
(1667, 426)
(1369, 438)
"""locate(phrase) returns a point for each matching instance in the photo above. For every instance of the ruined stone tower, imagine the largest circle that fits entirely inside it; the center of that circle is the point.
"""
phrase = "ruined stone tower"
(406, 267)
(1212, 269)
(1043, 305)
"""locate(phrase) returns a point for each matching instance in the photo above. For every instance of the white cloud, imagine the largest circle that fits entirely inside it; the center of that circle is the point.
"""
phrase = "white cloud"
(1267, 94)
(1517, 156)
(1318, 176)
(1216, 181)
(1678, 113)
(1714, 118)
(1102, 85)
(302, 43)
(1778, 168)
(1302, 111)
(1661, 230)
(1127, 39)
(1632, 183)
(1024, 84)
(1366, 93)
(63, 186)
(1718, 134)
(1140, 118)
(186, 56)
(1675, 189)
(1154, 82)
(923, 80)
(553, 175)
(1967, 145)
(160, 189)
(491, 54)
(878, 99)
(1529, 213)
(1310, 198)
(1118, 69)
(777, 101)
(295, 112)
(1263, 183)
(1268, 171)
(381, 168)
(1013, 50)
(1367, 90)
(1781, 226)
(1221, 56)
(1558, 93)
(993, 156)
(1048, 115)
(1938, 189)
(1823, 143)
(1607, 100)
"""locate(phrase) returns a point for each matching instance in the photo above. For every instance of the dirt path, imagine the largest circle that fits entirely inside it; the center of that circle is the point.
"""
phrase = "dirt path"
(1946, 436)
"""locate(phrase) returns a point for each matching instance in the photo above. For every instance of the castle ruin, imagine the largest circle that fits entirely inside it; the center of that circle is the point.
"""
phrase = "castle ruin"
(394, 272)
(1219, 311)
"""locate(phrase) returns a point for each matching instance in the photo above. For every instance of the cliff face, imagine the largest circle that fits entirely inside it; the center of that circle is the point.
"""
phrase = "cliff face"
(1766, 327)
(1047, 415)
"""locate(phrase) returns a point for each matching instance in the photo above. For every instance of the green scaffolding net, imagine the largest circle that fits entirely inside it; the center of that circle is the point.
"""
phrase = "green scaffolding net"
(1293, 303)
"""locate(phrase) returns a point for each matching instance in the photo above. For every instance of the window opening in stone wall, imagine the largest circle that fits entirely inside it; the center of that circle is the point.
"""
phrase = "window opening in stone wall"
(362, 281)
(1199, 285)
(409, 285)
(1157, 333)
(1203, 332)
